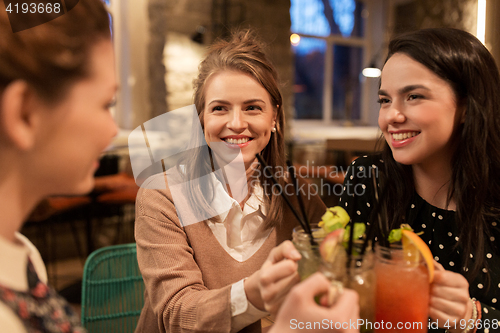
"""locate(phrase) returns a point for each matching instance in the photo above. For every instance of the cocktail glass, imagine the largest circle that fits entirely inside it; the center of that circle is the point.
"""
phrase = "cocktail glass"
(360, 277)
(311, 259)
(402, 292)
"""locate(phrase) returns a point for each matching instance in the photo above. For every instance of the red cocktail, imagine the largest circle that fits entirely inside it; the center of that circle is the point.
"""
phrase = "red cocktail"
(402, 292)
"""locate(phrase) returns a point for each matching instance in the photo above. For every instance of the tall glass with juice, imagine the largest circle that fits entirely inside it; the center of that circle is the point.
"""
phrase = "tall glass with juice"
(402, 292)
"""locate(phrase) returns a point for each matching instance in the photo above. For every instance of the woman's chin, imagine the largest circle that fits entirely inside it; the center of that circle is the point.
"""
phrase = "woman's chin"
(82, 188)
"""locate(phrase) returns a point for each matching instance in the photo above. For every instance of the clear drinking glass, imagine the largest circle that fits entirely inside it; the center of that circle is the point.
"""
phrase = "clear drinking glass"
(402, 292)
(360, 277)
(311, 258)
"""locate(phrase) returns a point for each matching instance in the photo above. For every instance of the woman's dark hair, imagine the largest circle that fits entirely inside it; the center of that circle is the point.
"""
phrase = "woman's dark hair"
(242, 52)
(53, 55)
(461, 60)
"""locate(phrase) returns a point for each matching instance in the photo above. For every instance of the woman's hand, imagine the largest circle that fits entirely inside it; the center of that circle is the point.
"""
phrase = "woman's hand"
(449, 299)
(278, 275)
(299, 308)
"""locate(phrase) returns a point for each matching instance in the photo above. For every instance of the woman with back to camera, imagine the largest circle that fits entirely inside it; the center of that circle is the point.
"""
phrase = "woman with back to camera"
(440, 167)
(203, 277)
(57, 82)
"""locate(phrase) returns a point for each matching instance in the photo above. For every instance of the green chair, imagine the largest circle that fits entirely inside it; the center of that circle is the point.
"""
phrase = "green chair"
(112, 290)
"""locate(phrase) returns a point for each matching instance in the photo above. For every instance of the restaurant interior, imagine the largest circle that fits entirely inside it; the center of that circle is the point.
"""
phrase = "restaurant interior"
(327, 53)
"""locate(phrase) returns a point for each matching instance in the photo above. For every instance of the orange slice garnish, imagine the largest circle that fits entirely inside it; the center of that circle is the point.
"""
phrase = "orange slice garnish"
(413, 247)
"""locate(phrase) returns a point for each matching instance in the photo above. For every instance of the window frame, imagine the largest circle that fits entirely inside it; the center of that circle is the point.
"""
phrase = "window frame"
(328, 80)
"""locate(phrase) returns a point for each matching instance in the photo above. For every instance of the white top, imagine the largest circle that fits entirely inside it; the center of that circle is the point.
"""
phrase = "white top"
(239, 235)
(14, 263)
(239, 231)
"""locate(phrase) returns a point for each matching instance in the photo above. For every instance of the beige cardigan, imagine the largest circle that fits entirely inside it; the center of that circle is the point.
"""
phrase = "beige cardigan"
(188, 275)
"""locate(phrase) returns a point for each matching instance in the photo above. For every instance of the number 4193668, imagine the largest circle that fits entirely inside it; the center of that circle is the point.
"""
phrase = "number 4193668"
(34, 8)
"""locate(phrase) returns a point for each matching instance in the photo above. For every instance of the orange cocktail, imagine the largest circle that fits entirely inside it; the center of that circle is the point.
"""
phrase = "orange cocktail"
(402, 292)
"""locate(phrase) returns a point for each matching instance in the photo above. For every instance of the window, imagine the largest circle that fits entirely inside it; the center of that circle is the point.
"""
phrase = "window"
(329, 45)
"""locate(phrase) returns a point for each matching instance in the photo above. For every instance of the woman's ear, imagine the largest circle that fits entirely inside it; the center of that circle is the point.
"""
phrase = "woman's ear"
(461, 111)
(275, 116)
(18, 116)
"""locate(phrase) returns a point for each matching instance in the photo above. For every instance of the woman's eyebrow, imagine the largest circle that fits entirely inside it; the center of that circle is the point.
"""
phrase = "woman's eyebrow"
(253, 101)
(412, 87)
(404, 90)
(219, 101)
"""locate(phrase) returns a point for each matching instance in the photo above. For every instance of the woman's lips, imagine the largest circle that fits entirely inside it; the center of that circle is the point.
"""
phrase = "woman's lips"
(402, 139)
(237, 142)
(234, 144)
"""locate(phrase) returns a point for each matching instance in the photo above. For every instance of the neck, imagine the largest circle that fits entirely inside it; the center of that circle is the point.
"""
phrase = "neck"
(250, 170)
(17, 200)
(432, 183)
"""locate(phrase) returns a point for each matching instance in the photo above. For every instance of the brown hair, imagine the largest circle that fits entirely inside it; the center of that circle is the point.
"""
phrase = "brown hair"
(51, 56)
(242, 52)
(463, 61)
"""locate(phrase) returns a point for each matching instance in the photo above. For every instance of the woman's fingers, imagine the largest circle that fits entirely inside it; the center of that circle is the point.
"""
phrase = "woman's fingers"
(273, 293)
(450, 294)
(285, 250)
(438, 266)
(348, 300)
(278, 275)
(276, 272)
(451, 310)
(315, 285)
(449, 297)
(450, 279)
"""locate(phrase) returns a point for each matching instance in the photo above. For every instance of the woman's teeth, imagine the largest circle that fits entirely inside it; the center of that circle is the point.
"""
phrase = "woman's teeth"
(403, 136)
(237, 141)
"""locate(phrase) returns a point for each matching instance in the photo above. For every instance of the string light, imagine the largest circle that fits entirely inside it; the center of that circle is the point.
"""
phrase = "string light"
(294, 39)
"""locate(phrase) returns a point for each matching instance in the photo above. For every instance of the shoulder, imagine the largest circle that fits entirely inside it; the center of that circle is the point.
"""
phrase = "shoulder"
(364, 169)
(361, 176)
(367, 162)
(35, 257)
(154, 194)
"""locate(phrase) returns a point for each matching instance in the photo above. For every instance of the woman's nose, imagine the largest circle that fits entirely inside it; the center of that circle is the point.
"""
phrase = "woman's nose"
(395, 114)
(236, 120)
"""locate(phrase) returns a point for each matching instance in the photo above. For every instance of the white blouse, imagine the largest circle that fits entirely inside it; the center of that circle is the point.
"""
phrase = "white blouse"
(13, 275)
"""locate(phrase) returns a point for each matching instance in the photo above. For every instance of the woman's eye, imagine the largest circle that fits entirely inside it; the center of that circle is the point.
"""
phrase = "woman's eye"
(110, 104)
(253, 108)
(217, 108)
(413, 97)
(383, 100)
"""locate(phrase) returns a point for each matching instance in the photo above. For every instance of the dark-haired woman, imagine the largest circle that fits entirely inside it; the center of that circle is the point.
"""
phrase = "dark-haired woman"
(57, 83)
(440, 167)
(200, 243)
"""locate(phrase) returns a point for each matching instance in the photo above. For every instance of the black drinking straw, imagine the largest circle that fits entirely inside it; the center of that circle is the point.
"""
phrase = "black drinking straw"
(382, 227)
(371, 228)
(349, 245)
(351, 233)
(293, 177)
(302, 223)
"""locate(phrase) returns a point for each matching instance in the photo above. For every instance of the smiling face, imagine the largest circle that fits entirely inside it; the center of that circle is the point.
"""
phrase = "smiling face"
(77, 129)
(238, 113)
(418, 112)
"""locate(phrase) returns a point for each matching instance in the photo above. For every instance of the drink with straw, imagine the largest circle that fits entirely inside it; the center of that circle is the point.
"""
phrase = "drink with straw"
(311, 258)
(356, 273)
(332, 222)
(344, 261)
